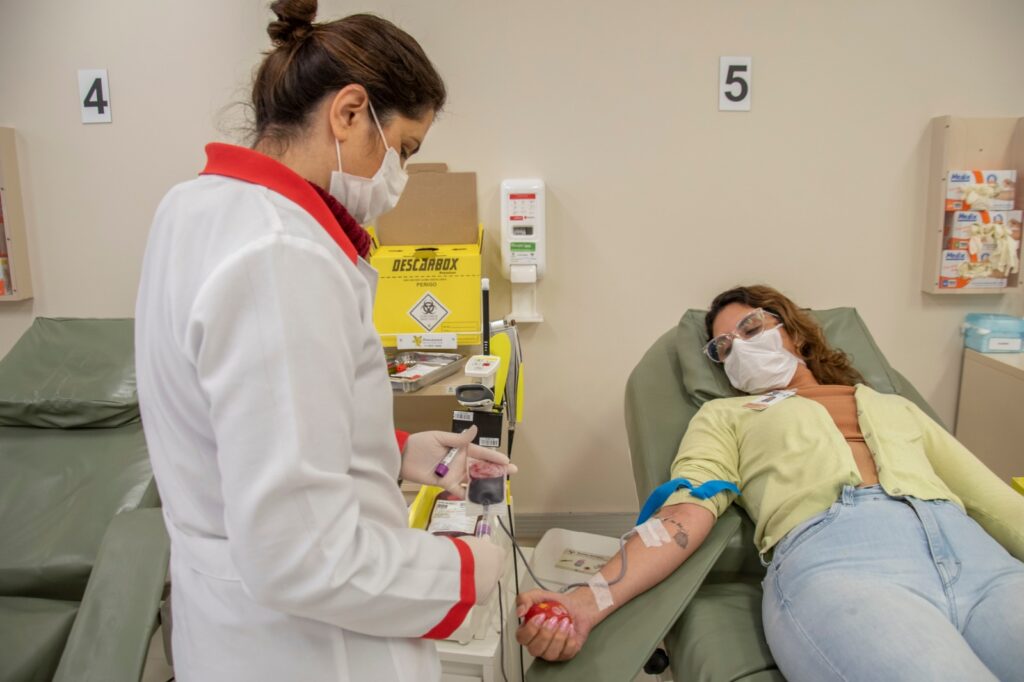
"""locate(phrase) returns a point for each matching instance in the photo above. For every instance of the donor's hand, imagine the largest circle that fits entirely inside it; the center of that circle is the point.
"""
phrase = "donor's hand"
(556, 637)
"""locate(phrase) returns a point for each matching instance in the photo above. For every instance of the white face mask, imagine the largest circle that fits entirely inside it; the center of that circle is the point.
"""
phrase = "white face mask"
(368, 198)
(760, 364)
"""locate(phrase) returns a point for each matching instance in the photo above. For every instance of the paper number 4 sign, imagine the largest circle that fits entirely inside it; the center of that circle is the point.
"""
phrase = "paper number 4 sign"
(94, 95)
(734, 74)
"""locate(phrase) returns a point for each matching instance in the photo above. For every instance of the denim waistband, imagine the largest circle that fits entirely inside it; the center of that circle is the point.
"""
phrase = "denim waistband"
(852, 495)
(849, 496)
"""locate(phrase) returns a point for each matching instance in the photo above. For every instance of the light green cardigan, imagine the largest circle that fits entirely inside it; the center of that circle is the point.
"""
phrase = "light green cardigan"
(791, 462)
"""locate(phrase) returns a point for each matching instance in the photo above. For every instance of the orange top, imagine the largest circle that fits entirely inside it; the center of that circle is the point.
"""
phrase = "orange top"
(842, 407)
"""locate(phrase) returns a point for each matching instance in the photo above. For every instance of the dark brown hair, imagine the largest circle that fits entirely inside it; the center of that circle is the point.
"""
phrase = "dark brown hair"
(829, 365)
(310, 61)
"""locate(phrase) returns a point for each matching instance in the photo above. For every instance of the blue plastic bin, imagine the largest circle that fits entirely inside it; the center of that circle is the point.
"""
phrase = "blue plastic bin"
(994, 333)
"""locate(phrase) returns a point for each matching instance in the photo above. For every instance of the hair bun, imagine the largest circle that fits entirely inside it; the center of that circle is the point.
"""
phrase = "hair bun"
(294, 21)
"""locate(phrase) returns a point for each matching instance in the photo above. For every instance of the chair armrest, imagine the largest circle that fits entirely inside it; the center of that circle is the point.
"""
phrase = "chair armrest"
(110, 637)
(618, 647)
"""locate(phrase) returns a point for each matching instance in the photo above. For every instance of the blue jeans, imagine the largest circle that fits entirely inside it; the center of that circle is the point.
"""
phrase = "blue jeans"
(894, 588)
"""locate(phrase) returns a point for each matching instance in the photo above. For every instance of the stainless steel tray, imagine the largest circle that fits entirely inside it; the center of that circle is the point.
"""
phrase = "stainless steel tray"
(435, 366)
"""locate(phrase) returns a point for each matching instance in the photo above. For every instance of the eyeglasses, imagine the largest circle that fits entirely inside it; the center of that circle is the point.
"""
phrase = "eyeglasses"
(756, 322)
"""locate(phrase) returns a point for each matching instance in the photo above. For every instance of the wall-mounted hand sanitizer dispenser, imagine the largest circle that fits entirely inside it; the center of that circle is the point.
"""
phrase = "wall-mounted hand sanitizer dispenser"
(522, 244)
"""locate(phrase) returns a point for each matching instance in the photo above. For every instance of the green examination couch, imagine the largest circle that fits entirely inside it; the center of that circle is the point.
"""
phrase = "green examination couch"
(708, 613)
(83, 550)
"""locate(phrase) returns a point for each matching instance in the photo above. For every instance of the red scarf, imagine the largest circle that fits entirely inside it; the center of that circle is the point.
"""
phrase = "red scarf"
(359, 237)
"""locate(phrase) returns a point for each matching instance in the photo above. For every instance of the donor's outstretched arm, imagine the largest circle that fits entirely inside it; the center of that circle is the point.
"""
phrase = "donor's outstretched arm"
(659, 547)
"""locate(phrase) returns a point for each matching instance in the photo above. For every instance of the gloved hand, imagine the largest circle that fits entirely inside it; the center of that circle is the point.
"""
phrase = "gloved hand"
(424, 450)
(490, 562)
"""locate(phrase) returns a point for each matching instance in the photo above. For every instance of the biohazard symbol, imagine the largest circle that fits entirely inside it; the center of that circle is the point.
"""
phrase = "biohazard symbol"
(428, 312)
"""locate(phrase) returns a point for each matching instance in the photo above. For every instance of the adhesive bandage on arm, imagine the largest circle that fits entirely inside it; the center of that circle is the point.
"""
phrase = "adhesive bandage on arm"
(602, 593)
(653, 533)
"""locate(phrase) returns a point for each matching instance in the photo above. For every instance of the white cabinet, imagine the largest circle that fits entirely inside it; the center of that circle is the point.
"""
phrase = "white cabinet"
(989, 417)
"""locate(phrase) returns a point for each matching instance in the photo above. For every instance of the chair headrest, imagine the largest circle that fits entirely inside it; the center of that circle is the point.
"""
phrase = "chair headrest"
(70, 373)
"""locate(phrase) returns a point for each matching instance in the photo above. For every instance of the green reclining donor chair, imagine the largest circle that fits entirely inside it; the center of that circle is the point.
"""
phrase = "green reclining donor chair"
(83, 550)
(708, 612)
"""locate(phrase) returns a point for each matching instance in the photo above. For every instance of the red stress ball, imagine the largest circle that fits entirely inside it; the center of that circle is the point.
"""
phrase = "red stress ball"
(549, 609)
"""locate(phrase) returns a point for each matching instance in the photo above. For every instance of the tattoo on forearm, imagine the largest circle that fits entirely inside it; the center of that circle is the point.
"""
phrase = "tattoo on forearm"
(680, 535)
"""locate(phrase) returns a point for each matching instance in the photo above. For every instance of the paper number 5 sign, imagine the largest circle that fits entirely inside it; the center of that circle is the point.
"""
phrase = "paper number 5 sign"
(734, 76)
(94, 95)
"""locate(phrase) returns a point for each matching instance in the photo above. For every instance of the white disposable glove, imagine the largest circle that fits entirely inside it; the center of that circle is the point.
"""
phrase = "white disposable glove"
(489, 563)
(424, 450)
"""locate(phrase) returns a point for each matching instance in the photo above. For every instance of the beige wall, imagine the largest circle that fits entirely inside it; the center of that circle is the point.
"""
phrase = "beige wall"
(657, 201)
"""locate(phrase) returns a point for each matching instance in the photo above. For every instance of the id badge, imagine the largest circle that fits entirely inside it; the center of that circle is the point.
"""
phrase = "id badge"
(765, 401)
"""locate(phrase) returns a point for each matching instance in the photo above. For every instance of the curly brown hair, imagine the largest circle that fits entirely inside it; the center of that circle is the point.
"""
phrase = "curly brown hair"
(829, 365)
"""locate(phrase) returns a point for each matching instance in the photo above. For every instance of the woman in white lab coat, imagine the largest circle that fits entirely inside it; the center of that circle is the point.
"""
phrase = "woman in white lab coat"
(264, 392)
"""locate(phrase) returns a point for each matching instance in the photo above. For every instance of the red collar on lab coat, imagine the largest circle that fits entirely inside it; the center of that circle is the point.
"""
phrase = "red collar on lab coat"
(359, 237)
(240, 163)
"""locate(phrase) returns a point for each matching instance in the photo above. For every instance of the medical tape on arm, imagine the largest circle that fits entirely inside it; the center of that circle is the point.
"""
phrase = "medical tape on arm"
(602, 593)
(653, 533)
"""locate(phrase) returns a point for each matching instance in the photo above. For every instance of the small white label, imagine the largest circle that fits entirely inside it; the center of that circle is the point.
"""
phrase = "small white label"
(1004, 344)
(768, 399)
(522, 207)
(523, 253)
(94, 95)
(463, 416)
(426, 341)
(490, 442)
(581, 562)
(450, 516)
(734, 83)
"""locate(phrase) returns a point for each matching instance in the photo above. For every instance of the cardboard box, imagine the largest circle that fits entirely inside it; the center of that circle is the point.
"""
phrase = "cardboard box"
(960, 223)
(991, 190)
(954, 273)
(437, 207)
(429, 261)
(960, 227)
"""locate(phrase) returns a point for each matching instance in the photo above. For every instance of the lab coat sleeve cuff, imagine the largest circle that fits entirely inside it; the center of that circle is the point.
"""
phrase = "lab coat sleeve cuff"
(467, 595)
(402, 437)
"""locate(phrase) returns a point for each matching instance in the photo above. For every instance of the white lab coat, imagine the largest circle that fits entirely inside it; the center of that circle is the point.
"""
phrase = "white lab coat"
(268, 414)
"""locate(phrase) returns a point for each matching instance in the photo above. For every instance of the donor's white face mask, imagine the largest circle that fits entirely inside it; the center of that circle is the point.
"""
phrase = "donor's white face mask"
(366, 199)
(760, 364)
